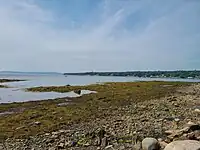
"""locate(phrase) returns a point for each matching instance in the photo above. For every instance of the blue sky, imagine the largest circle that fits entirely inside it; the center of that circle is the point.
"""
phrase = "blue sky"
(99, 35)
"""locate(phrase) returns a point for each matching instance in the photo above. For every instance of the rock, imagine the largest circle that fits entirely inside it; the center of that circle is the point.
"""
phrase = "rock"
(62, 131)
(18, 128)
(194, 127)
(168, 132)
(51, 140)
(54, 136)
(160, 140)
(104, 142)
(191, 127)
(61, 145)
(173, 133)
(163, 144)
(122, 147)
(77, 92)
(190, 123)
(150, 144)
(109, 147)
(52, 148)
(47, 134)
(197, 110)
(191, 136)
(137, 146)
(1, 146)
(63, 104)
(183, 145)
(86, 144)
(197, 133)
(37, 123)
(185, 130)
(198, 138)
(73, 143)
(97, 141)
(55, 133)
(172, 136)
(177, 119)
(101, 133)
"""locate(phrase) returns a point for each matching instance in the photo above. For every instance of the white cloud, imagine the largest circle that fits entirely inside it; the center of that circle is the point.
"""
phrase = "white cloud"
(164, 36)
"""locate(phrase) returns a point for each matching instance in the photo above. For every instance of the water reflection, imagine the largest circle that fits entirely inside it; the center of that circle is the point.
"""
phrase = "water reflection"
(8, 95)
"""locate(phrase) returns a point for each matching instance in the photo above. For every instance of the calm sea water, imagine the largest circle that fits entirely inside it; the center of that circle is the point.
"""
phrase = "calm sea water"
(17, 93)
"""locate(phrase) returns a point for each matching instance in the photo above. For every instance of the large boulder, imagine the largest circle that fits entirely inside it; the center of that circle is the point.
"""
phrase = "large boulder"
(183, 145)
(150, 144)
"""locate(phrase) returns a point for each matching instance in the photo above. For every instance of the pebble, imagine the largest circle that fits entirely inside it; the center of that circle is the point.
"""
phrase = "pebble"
(122, 147)
(190, 123)
(61, 145)
(197, 110)
(163, 144)
(104, 142)
(137, 146)
(37, 123)
(109, 147)
(168, 132)
(55, 133)
(47, 134)
(177, 119)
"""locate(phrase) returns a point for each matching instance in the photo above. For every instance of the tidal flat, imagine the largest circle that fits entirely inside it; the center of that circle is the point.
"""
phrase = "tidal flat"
(110, 97)
(118, 115)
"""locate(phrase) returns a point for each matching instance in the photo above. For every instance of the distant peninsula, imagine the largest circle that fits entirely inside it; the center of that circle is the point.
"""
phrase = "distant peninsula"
(192, 74)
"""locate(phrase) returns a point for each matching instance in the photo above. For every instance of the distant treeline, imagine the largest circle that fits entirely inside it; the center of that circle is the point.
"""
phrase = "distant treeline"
(157, 74)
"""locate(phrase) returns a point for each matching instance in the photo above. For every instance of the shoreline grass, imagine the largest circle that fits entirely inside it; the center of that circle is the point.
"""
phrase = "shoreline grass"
(109, 97)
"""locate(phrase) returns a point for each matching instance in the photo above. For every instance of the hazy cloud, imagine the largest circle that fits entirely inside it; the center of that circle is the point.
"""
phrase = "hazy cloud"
(114, 35)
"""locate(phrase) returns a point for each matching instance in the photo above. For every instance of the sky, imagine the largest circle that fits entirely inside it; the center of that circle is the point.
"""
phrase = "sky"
(99, 35)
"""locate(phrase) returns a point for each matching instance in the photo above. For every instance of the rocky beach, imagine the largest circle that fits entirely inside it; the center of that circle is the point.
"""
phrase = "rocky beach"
(99, 75)
(137, 115)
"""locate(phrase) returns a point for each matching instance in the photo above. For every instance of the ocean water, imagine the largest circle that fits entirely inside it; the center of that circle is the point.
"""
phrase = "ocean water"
(17, 93)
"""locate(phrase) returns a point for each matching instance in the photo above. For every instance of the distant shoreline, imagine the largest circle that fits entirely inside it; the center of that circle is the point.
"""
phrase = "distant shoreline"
(28, 73)
(145, 74)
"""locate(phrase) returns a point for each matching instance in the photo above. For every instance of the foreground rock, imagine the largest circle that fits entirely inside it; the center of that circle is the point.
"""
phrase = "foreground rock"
(183, 145)
(191, 131)
(150, 144)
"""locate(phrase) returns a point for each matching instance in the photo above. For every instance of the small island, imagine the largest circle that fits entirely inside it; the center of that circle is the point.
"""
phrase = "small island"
(3, 86)
(193, 74)
(10, 80)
